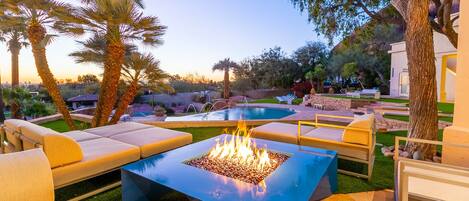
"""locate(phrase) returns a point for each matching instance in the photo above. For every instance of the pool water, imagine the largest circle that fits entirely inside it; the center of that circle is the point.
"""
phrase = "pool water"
(141, 114)
(237, 113)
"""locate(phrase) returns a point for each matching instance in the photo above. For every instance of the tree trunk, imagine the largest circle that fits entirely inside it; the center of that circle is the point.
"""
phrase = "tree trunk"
(112, 71)
(2, 104)
(14, 105)
(124, 101)
(36, 35)
(226, 84)
(422, 74)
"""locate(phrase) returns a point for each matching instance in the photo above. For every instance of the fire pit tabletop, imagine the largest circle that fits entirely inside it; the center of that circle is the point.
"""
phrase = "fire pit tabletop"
(308, 174)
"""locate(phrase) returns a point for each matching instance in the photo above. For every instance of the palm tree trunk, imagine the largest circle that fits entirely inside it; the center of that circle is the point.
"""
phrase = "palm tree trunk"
(36, 35)
(124, 101)
(422, 73)
(108, 93)
(226, 84)
(14, 105)
(2, 104)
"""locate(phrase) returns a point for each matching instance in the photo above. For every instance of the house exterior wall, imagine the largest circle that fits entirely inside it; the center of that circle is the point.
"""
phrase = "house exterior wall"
(399, 65)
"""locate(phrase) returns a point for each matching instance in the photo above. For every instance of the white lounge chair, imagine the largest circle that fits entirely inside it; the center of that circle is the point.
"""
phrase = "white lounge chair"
(288, 99)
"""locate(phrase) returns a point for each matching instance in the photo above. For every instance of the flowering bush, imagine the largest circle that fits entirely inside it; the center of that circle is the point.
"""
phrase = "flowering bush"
(302, 88)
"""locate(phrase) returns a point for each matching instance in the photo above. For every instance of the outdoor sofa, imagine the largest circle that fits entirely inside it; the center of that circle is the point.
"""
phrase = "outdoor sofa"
(79, 155)
(353, 142)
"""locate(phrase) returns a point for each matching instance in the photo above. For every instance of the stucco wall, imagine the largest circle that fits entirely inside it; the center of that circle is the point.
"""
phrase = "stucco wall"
(399, 63)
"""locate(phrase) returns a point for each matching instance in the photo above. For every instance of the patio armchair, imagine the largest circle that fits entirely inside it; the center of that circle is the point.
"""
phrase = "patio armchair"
(424, 180)
(80, 155)
(353, 142)
(26, 176)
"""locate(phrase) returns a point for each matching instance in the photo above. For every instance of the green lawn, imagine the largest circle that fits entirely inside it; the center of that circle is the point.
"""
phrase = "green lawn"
(406, 118)
(382, 175)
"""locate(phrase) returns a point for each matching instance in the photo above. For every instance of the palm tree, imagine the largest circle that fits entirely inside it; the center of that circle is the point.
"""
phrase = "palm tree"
(118, 22)
(37, 15)
(225, 65)
(140, 71)
(14, 32)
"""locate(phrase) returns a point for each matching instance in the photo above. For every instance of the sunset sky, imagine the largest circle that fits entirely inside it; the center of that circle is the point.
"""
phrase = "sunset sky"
(199, 34)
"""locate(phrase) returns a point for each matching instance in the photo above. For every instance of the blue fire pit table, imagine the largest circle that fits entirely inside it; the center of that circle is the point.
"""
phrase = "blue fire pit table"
(308, 174)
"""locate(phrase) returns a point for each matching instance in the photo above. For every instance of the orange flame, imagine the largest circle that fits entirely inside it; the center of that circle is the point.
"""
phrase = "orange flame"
(241, 150)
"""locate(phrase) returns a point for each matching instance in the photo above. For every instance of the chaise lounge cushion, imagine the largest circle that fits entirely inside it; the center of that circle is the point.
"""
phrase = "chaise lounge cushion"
(154, 140)
(100, 156)
(359, 137)
(111, 130)
(324, 133)
(59, 149)
(80, 136)
(281, 132)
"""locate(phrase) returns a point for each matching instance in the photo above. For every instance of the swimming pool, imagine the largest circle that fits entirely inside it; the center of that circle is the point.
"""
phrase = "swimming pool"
(141, 114)
(237, 113)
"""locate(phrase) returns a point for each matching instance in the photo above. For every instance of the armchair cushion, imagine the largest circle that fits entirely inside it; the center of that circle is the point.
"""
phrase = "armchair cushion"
(26, 176)
(356, 136)
(59, 149)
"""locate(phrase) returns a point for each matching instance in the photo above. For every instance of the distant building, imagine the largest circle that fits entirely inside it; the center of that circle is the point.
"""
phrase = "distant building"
(81, 101)
(445, 60)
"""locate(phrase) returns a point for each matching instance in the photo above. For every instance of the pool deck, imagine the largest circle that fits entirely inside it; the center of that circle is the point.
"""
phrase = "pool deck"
(302, 114)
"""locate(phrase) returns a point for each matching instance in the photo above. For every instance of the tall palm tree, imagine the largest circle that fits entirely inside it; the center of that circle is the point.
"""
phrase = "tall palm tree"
(140, 71)
(225, 65)
(38, 14)
(15, 36)
(119, 21)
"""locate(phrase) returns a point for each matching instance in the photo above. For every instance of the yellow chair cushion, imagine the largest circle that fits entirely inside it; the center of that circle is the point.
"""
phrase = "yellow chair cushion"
(60, 149)
(355, 136)
(26, 175)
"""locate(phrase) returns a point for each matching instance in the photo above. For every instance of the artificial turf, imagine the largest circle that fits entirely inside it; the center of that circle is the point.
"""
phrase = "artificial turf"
(406, 118)
(382, 177)
(60, 126)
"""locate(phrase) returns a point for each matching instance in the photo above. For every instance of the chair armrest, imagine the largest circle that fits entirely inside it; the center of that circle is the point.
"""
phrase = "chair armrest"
(316, 119)
(398, 139)
(330, 126)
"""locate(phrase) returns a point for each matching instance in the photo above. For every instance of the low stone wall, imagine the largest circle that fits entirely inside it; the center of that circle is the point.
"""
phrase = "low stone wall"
(331, 103)
(55, 117)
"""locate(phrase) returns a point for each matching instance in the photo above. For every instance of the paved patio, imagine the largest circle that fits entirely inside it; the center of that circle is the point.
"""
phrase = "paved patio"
(384, 195)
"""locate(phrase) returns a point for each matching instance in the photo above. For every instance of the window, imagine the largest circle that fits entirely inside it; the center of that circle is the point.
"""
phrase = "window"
(404, 84)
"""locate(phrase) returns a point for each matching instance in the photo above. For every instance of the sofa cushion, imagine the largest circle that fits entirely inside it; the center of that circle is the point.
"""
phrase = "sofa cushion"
(324, 133)
(356, 136)
(11, 126)
(100, 155)
(281, 132)
(26, 176)
(108, 131)
(154, 140)
(59, 149)
(80, 136)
